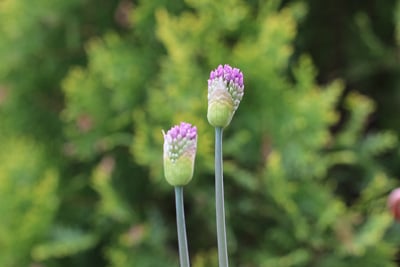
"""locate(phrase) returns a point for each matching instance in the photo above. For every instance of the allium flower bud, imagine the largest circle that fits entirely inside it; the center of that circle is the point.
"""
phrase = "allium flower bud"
(394, 203)
(225, 91)
(180, 144)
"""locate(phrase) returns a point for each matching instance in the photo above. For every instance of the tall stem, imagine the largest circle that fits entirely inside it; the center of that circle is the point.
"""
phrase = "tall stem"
(219, 201)
(181, 226)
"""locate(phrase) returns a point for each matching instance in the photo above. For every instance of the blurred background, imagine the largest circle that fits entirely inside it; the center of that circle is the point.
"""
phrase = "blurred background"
(87, 86)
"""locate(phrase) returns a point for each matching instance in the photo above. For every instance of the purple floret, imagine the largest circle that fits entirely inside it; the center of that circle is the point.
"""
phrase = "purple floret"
(228, 74)
(184, 130)
(180, 139)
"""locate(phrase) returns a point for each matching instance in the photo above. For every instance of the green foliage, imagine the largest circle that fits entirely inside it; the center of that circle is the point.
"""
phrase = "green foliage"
(87, 87)
(28, 190)
(63, 242)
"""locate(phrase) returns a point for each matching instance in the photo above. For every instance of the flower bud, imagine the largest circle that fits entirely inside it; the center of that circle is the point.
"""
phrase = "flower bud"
(180, 144)
(394, 203)
(225, 91)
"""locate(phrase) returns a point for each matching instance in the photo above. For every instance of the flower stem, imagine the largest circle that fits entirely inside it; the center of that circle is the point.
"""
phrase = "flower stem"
(181, 227)
(219, 200)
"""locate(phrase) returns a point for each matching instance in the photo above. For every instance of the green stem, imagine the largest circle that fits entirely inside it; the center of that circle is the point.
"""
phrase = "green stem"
(219, 201)
(181, 226)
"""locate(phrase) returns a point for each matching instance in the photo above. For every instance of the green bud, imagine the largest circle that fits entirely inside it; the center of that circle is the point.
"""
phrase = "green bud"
(180, 171)
(225, 91)
(180, 144)
(220, 108)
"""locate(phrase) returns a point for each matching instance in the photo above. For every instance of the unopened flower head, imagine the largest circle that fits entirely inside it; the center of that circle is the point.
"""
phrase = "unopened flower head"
(180, 144)
(225, 91)
(394, 203)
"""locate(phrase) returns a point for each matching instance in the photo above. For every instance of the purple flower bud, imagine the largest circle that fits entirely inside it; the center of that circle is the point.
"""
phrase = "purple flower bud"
(394, 203)
(225, 91)
(180, 144)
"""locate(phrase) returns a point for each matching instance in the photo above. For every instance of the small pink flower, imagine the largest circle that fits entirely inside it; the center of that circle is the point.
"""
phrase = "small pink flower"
(394, 203)
(84, 123)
